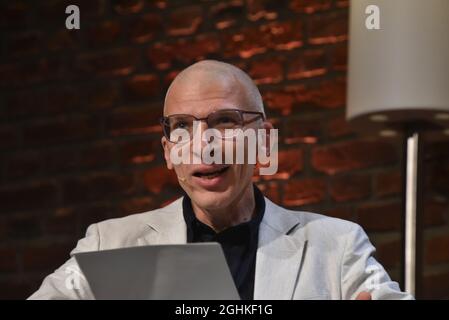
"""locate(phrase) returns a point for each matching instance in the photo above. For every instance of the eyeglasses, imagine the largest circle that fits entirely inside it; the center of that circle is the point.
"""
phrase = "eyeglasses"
(219, 120)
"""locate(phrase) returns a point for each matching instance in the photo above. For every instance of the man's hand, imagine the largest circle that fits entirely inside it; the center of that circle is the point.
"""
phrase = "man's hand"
(363, 296)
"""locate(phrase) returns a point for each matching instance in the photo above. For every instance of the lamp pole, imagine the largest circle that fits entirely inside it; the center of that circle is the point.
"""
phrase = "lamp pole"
(412, 219)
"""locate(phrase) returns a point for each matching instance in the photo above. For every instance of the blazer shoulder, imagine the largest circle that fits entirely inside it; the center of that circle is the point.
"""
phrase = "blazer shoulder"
(141, 218)
(127, 230)
(324, 228)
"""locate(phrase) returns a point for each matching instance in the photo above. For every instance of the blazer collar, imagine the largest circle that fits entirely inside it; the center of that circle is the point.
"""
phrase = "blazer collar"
(279, 255)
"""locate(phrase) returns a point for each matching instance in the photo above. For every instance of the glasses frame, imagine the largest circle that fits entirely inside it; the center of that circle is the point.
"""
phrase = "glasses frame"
(164, 119)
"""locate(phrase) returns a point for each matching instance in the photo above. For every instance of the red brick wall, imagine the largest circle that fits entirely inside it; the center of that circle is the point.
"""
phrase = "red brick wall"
(79, 139)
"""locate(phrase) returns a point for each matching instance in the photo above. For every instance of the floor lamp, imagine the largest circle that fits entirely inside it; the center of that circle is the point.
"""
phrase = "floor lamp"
(398, 85)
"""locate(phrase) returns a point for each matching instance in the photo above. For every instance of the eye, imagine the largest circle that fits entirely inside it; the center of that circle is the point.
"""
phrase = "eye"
(180, 124)
(225, 119)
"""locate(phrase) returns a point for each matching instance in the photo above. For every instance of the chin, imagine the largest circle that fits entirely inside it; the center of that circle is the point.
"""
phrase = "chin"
(211, 200)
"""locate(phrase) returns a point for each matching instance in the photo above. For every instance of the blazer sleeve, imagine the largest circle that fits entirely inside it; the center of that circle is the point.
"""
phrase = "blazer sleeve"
(68, 282)
(361, 271)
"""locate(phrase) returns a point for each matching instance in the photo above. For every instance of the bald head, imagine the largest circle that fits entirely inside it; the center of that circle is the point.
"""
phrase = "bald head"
(212, 80)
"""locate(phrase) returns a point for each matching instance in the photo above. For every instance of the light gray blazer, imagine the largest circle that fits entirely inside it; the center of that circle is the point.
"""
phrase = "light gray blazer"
(300, 255)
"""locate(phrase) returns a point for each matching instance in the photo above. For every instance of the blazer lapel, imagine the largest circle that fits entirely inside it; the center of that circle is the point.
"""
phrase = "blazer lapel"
(279, 255)
(166, 226)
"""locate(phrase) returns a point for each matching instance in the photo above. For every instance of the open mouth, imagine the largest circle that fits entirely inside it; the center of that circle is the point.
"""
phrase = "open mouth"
(210, 174)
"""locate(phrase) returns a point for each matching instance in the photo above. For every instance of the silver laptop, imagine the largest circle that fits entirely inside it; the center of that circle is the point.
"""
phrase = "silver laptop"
(186, 272)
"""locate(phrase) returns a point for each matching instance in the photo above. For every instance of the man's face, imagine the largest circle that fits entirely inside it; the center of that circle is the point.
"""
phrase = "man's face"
(200, 98)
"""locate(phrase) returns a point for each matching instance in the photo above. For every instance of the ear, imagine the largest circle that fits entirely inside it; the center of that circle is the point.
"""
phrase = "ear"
(166, 145)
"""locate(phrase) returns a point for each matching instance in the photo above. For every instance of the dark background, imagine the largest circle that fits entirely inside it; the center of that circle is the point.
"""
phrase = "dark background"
(80, 141)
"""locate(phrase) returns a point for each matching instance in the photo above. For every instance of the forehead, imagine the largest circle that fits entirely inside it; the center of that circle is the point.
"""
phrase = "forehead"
(201, 93)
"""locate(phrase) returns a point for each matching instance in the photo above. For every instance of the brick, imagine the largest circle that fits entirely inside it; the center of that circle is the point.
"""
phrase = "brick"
(128, 120)
(290, 162)
(307, 64)
(145, 28)
(434, 212)
(24, 43)
(24, 226)
(226, 14)
(160, 178)
(58, 131)
(125, 7)
(117, 62)
(94, 156)
(246, 42)
(388, 183)
(304, 131)
(139, 151)
(435, 250)
(310, 6)
(62, 221)
(142, 86)
(50, 10)
(339, 57)
(45, 258)
(266, 71)
(201, 47)
(284, 35)
(264, 9)
(350, 187)
(328, 28)
(163, 55)
(15, 14)
(436, 286)
(249, 41)
(380, 216)
(8, 260)
(94, 213)
(280, 100)
(327, 94)
(63, 40)
(389, 254)
(32, 72)
(100, 96)
(184, 21)
(28, 197)
(303, 192)
(9, 137)
(14, 289)
(136, 205)
(52, 100)
(342, 3)
(345, 213)
(98, 155)
(60, 160)
(338, 127)
(353, 155)
(270, 190)
(160, 56)
(97, 187)
(23, 165)
(103, 33)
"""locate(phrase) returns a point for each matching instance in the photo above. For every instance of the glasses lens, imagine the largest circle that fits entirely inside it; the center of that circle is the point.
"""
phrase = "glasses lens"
(226, 119)
(178, 124)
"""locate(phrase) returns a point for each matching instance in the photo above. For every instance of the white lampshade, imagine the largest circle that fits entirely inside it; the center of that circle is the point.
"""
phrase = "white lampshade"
(399, 73)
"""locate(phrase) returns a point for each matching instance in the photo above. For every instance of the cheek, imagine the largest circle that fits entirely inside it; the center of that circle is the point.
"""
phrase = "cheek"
(242, 172)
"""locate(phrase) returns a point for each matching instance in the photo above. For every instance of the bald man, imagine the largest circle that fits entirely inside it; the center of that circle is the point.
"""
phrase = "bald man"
(272, 252)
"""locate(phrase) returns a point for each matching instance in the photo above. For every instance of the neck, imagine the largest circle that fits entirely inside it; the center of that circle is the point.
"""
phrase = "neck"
(239, 211)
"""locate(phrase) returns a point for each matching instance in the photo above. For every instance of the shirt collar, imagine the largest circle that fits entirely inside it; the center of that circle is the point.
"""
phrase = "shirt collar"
(192, 222)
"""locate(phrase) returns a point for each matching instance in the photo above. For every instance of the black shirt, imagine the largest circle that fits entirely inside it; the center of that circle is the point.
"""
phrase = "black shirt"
(239, 243)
